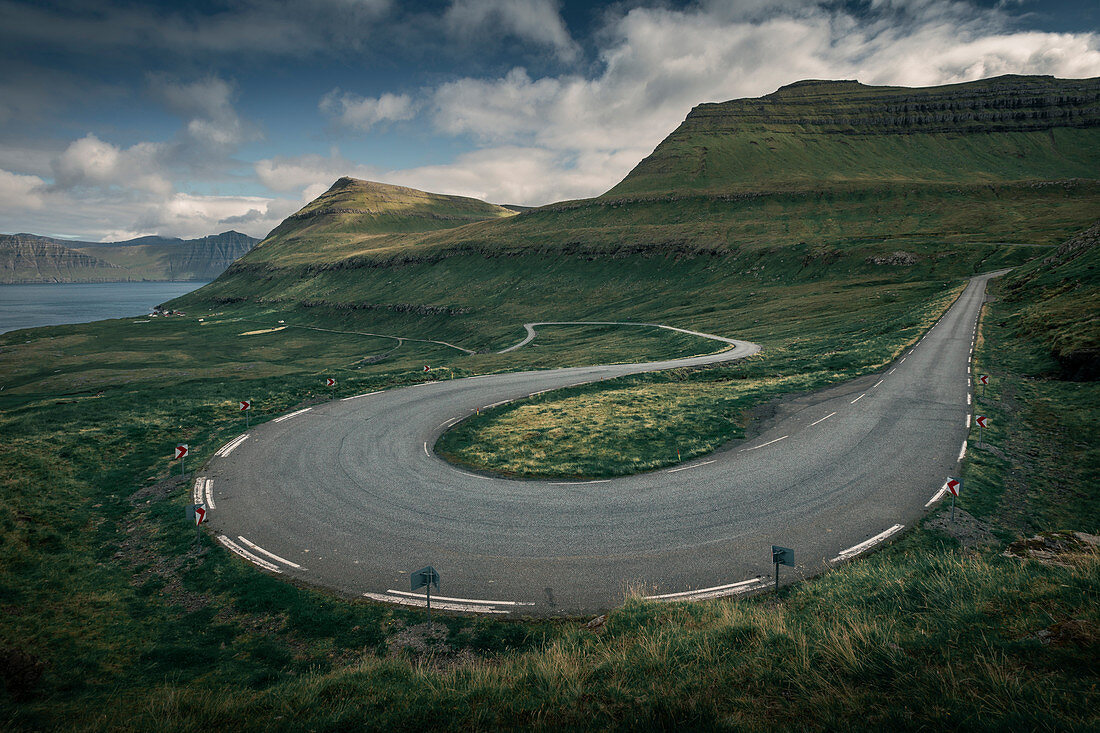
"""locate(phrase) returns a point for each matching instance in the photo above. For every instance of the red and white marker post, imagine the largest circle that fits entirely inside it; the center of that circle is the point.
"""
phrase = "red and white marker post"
(983, 379)
(331, 384)
(953, 485)
(181, 451)
(246, 407)
(983, 422)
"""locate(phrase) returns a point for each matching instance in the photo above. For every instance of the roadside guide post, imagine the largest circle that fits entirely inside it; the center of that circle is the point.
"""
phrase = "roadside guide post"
(954, 485)
(983, 422)
(984, 380)
(781, 556)
(196, 513)
(426, 578)
(181, 451)
(331, 383)
(246, 407)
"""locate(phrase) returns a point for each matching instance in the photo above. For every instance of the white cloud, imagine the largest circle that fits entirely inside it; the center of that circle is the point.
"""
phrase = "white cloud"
(302, 172)
(90, 161)
(19, 192)
(538, 21)
(363, 113)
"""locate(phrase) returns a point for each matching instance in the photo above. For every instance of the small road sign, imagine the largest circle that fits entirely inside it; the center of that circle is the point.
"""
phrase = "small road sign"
(781, 556)
(984, 379)
(246, 405)
(981, 420)
(196, 513)
(427, 368)
(425, 578)
(181, 451)
(330, 382)
(953, 485)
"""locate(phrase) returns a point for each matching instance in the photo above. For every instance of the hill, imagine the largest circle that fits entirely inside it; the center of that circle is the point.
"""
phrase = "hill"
(353, 212)
(29, 258)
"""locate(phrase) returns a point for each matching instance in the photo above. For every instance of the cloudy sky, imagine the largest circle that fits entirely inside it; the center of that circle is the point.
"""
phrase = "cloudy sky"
(120, 118)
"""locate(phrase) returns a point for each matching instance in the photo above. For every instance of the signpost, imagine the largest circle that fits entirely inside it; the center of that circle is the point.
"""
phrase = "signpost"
(983, 422)
(181, 451)
(330, 382)
(953, 485)
(984, 380)
(781, 556)
(426, 578)
(427, 368)
(246, 407)
(196, 513)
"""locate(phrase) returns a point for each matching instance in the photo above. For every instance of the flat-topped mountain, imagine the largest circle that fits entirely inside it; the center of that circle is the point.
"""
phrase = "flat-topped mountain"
(30, 258)
(815, 133)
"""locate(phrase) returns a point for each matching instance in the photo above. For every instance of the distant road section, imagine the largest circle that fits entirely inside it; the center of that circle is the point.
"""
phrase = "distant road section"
(348, 495)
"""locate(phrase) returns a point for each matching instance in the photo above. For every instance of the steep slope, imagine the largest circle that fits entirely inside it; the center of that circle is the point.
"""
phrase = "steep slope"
(355, 211)
(28, 258)
(1059, 303)
(821, 133)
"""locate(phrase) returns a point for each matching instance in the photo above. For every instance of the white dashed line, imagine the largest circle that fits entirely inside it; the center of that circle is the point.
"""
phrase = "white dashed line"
(272, 555)
(878, 383)
(442, 606)
(822, 419)
(448, 423)
(474, 475)
(962, 451)
(867, 544)
(429, 455)
(968, 420)
(904, 358)
(581, 483)
(355, 397)
(764, 444)
(293, 414)
(892, 370)
(857, 399)
(231, 446)
(254, 559)
(495, 404)
(196, 491)
(717, 591)
(208, 492)
(936, 497)
(684, 468)
(460, 600)
(968, 398)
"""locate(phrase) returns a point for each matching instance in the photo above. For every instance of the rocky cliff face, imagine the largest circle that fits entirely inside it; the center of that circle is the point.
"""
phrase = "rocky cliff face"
(29, 258)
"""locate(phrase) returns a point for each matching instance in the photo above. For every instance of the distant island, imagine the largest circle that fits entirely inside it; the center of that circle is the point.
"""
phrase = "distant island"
(31, 258)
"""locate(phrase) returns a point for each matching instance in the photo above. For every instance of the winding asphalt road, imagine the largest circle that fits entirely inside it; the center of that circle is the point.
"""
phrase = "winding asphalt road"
(348, 495)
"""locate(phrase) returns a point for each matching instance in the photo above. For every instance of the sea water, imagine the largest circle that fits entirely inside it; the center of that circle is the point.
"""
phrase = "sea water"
(27, 306)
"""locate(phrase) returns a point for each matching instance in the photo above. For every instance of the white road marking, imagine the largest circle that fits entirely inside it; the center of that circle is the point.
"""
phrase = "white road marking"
(208, 492)
(968, 420)
(443, 606)
(968, 398)
(196, 492)
(254, 559)
(231, 446)
(474, 475)
(867, 544)
(461, 600)
(272, 555)
(429, 455)
(768, 443)
(293, 414)
(448, 423)
(857, 399)
(822, 419)
(962, 451)
(717, 591)
(904, 358)
(891, 371)
(355, 397)
(935, 497)
(968, 370)
(495, 404)
(581, 483)
(684, 468)
(878, 383)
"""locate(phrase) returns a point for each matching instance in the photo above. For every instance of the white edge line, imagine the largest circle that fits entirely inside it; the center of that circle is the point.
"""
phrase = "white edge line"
(441, 606)
(857, 399)
(461, 600)
(684, 468)
(234, 547)
(878, 383)
(355, 397)
(968, 420)
(822, 419)
(208, 492)
(429, 455)
(867, 544)
(936, 497)
(717, 591)
(293, 414)
(231, 446)
(196, 492)
(474, 475)
(581, 483)
(962, 451)
(768, 443)
(968, 398)
(272, 555)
